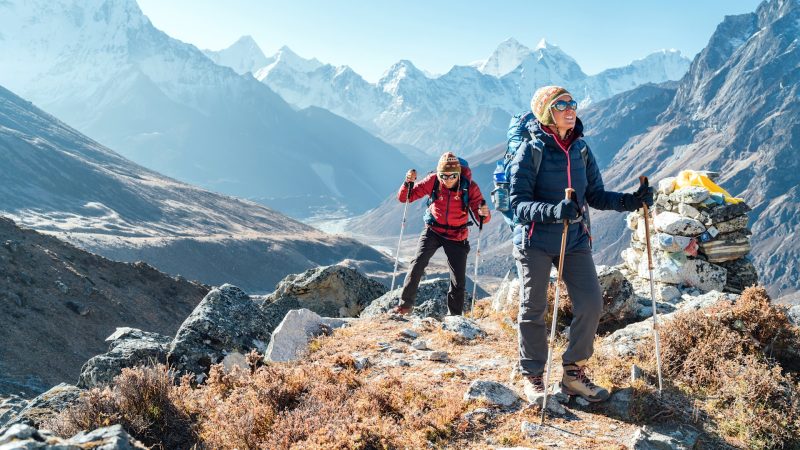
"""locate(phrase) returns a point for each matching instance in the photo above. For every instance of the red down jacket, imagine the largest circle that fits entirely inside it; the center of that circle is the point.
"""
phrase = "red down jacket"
(448, 208)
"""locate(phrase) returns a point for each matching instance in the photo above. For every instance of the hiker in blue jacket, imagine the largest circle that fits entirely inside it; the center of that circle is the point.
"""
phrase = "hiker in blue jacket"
(539, 207)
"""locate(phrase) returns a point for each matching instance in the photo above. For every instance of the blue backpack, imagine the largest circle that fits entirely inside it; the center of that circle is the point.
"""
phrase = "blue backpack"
(517, 135)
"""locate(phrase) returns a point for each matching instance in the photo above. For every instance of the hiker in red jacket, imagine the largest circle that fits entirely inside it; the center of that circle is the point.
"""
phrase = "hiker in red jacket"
(446, 220)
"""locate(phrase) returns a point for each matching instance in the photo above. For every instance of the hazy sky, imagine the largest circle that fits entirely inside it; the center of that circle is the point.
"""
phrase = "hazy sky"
(372, 35)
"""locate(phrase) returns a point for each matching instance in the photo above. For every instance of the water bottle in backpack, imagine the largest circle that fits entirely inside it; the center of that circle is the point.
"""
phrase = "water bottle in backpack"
(500, 194)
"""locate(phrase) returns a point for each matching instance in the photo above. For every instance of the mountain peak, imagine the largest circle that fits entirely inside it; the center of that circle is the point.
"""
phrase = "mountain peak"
(544, 45)
(287, 56)
(243, 56)
(506, 57)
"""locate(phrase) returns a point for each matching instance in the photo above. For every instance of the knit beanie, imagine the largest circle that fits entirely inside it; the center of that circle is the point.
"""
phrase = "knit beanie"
(448, 163)
(543, 99)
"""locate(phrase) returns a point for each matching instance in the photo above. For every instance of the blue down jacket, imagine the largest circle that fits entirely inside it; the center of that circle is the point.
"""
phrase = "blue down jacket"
(534, 195)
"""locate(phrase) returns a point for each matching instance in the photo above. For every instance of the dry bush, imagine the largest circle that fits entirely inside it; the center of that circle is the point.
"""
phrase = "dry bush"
(142, 400)
(723, 354)
(324, 409)
(276, 406)
(564, 306)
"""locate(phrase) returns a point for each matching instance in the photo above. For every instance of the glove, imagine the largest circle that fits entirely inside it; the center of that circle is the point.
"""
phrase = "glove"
(642, 196)
(566, 210)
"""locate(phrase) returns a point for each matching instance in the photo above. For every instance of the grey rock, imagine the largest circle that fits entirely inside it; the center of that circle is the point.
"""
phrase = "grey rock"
(794, 314)
(331, 291)
(618, 298)
(225, 320)
(666, 186)
(362, 362)
(290, 339)
(420, 344)
(553, 403)
(704, 275)
(636, 373)
(109, 438)
(494, 393)
(582, 401)
(738, 223)
(624, 341)
(619, 404)
(688, 211)
(47, 405)
(726, 212)
(411, 334)
(10, 407)
(689, 194)
(438, 356)
(466, 328)
(235, 359)
(61, 286)
(506, 297)
(741, 273)
(130, 347)
(431, 300)
(672, 223)
(648, 438)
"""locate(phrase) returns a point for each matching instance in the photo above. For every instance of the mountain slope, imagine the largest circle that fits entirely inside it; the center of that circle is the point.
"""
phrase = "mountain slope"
(59, 304)
(737, 112)
(58, 181)
(102, 67)
(243, 56)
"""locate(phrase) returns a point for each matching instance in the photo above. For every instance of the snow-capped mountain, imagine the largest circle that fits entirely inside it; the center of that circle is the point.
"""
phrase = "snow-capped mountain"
(506, 57)
(102, 67)
(243, 56)
(60, 182)
(466, 109)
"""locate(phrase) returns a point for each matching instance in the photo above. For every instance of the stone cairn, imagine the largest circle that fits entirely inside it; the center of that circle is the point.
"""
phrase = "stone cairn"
(697, 238)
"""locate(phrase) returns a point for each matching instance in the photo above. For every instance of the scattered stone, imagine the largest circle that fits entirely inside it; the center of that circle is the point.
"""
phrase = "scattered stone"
(704, 275)
(479, 414)
(794, 314)
(553, 403)
(47, 405)
(23, 436)
(466, 328)
(10, 407)
(420, 344)
(618, 298)
(411, 334)
(529, 429)
(361, 362)
(619, 404)
(225, 320)
(494, 393)
(130, 347)
(647, 438)
(636, 373)
(582, 401)
(438, 356)
(290, 339)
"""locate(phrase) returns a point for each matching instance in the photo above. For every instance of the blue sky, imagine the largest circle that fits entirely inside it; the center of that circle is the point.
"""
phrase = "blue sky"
(370, 36)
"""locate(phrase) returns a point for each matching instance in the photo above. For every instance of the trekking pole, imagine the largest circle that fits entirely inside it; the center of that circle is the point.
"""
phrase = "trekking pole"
(477, 258)
(409, 185)
(643, 182)
(569, 192)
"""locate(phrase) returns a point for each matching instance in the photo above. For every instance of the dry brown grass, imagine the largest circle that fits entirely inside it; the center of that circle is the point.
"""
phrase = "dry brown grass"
(729, 359)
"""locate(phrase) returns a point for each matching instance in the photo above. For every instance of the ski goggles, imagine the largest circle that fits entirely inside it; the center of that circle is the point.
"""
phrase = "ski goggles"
(563, 105)
(448, 176)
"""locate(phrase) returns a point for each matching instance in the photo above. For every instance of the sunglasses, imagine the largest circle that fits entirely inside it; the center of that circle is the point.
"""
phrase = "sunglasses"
(446, 176)
(563, 105)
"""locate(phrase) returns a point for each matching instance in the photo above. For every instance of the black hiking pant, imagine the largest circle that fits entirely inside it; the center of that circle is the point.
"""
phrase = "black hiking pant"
(456, 251)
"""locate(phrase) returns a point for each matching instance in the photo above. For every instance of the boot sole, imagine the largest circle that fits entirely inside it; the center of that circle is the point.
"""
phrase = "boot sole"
(568, 391)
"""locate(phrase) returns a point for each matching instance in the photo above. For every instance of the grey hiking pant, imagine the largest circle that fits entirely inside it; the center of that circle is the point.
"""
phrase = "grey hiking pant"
(580, 276)
(456, 251)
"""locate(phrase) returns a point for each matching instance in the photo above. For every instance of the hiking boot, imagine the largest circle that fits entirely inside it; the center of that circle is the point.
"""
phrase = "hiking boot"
(576, 382)
(533, 386)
